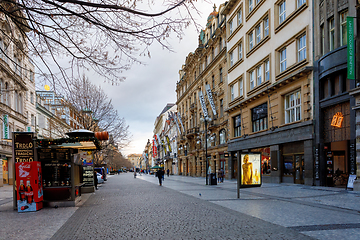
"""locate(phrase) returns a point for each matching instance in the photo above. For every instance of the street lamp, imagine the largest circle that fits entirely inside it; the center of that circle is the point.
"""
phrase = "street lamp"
(206, 120)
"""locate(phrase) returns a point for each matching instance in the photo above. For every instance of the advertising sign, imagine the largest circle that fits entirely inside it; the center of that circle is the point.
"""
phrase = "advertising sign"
(202, 103)
(211, 100)
(350, 48)
(86, 158)
(168, 142)
(23, 147)
(250, 169)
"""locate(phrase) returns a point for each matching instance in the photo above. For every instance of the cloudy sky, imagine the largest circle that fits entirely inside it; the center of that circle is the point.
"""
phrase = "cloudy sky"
(148, 88)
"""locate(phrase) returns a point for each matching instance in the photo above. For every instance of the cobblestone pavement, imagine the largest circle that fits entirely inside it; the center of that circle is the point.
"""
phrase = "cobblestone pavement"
(185, 208)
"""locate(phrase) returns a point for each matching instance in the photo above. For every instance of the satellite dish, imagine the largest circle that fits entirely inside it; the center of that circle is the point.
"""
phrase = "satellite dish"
(47, 87)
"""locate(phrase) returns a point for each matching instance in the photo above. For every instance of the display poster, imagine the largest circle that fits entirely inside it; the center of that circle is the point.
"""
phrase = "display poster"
(250, 169)
(23, 147)
(88, 168)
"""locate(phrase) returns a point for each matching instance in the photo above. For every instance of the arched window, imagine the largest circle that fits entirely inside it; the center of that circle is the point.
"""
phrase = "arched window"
(222, 136)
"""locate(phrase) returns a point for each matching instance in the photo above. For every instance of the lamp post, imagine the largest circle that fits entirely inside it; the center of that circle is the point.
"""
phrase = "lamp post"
(206, 120)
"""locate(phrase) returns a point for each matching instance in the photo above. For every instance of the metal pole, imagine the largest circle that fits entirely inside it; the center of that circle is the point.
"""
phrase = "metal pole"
(206, 158)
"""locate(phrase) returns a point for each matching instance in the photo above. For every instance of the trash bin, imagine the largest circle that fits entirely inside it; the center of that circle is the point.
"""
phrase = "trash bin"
(212, 179)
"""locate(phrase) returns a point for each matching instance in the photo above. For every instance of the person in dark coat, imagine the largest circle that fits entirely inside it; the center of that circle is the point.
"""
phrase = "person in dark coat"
(95, 180)
(160, 175)
(168, 172)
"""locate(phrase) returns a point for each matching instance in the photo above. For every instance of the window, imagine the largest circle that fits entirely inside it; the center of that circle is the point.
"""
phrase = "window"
(300, 3)
(1, 48)
(251, 5)
(331, 34)
(232, 92)
(257, 2)
(221, 75)
(258, 75)
(267, 70)
(31, 76)
(237, 126)
(231, 26)
(259, 117)
(252, 84)
(222, 137)
(258, 33)
(266, 27)
(302, 48)
(282, 11)
(251, 40)
(32, 120)
(343, 30)
(293, 107)
(213, 81)
(283, 60)
(231, 57)
(241, 87)
(239, 17)
(32, 98)
(240, 51)
(221, 107)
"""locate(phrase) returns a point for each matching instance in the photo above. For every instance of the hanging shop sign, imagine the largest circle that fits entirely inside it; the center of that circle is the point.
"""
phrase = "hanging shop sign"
(202, 103)
(164, 146)
(210, 97)
(6, 126)
(337, 120)
(181, 123)
(177, 123)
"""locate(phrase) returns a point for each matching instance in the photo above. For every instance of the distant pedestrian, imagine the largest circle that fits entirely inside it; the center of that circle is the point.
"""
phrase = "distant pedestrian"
(168, 172)
(160, 175)
(95, 180)
(221, 175)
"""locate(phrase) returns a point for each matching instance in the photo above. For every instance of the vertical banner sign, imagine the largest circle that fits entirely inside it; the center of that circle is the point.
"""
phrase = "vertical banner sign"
(181, 123)
(168, 142)
(177, 124)
(164, 146)
(154, 150)
(158, 139)
(202, 103)
(350, 48)
(211, 100)
(6, 127)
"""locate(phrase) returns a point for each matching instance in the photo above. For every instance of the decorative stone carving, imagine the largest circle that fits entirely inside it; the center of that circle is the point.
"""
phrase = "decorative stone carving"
(329, 8)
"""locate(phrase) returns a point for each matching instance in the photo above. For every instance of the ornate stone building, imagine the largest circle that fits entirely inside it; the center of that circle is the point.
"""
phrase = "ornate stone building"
(270, 87)
(17, 85)
(204, 73)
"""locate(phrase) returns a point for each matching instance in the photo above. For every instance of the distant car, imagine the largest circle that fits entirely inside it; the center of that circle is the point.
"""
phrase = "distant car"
(100, 178)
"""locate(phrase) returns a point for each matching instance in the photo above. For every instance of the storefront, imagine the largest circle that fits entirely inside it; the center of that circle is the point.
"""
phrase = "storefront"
(335, 130)
(286, 153)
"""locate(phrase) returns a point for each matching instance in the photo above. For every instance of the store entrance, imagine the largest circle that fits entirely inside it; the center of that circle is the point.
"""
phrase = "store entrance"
(337, 160)
(293, 171)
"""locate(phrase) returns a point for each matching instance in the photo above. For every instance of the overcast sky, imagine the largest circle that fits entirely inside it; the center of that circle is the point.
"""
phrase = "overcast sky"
(148, 88)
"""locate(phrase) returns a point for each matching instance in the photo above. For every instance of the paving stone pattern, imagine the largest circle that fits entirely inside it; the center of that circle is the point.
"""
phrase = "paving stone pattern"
(128, 208)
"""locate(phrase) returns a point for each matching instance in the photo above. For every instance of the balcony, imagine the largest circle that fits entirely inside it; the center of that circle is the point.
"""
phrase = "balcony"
(193, 107)
(190, 133)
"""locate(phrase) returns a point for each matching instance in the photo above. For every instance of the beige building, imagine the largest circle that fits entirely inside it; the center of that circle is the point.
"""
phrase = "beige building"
(134, 159)
(270, 87)
(204, 73)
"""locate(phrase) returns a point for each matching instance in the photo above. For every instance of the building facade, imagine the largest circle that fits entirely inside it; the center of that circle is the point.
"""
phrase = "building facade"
(17, 85)
(201, 100)
(335, 125)
(270, 87)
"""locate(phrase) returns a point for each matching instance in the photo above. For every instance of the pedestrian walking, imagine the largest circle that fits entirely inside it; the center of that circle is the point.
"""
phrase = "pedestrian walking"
(168, 172)
(95, 180)
(160, 175)
(221, 175)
